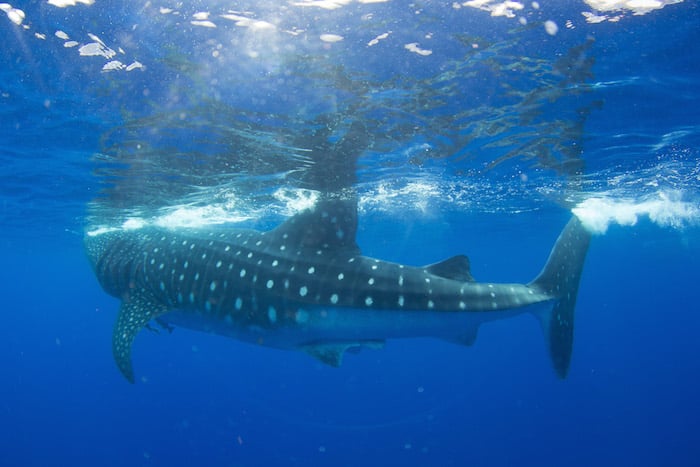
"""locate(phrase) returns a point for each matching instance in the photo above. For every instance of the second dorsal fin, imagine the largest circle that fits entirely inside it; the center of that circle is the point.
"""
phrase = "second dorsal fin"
(455, 268)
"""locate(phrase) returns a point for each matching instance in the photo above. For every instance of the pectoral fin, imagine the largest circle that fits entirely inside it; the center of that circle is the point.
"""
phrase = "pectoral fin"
(134, 314)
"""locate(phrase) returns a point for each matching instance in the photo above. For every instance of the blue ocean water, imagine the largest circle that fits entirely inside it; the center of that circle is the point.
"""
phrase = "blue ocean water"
(491, 123)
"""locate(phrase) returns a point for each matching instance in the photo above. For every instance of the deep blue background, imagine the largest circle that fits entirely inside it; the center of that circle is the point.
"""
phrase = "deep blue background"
(630, 397)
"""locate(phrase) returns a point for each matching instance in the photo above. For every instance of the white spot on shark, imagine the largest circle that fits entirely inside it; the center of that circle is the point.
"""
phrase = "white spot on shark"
(303, 291)
(301, 316)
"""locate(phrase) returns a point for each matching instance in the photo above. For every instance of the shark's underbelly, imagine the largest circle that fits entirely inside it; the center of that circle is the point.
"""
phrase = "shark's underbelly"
(313, 325)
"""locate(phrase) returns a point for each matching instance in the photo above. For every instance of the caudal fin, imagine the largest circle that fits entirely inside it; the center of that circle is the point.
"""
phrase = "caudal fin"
(560, 279)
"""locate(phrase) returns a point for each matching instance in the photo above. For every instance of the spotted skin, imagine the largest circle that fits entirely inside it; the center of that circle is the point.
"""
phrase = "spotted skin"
(306, 286)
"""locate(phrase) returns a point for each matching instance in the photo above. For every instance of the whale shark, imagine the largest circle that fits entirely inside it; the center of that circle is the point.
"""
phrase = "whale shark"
(305, 285)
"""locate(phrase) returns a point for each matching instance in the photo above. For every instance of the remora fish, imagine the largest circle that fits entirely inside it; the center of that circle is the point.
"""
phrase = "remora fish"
(305, 285)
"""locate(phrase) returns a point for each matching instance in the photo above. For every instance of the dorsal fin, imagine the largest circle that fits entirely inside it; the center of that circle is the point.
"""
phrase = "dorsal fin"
(330, 224)
(456, 268)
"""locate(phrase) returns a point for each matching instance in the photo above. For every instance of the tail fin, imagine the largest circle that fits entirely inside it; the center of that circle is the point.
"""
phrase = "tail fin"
(560, 279)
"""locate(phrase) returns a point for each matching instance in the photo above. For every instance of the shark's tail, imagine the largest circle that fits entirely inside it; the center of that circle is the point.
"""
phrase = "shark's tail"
(560, 279)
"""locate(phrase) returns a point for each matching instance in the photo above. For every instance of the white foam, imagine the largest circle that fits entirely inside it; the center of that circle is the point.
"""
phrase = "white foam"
(134, 223)
(189, 216)
(93, 49)
(14, 14)
(101, 230)
(331, 38)
(380, 37)
(204, 24)
(295, 200)
(637, 7)
(495, 7)
(413, 47)
(551, 28)
(620, 7)
(416, 196)
(113, 66)
(666, 209)
(244, 21)
(67, 3)
(325, 4)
